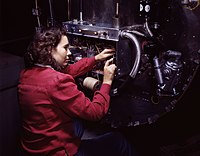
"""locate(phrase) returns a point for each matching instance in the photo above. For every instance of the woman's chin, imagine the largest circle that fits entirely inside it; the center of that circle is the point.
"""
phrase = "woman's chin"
(65, 64)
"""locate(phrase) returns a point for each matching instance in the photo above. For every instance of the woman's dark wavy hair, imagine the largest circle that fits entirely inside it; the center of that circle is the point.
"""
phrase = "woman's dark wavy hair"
(40, 48)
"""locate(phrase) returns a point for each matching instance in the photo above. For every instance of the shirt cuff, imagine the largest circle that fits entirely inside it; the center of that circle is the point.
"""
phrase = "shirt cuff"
(105, 88)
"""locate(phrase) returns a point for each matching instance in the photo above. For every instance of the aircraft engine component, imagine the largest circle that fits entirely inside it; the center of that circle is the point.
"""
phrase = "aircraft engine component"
(157, 53)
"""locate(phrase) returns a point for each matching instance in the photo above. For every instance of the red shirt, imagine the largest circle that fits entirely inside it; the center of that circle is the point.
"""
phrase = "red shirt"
(49, 100)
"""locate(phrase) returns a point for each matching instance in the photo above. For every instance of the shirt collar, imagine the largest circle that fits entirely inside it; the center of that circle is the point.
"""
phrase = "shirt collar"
(42, 65)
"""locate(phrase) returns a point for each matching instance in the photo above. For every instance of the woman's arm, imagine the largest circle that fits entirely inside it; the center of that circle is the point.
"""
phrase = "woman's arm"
(81, 67)
(86, 64)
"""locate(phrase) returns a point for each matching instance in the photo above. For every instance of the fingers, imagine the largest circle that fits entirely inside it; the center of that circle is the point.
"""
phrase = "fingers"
(109, 65)
(108, 51)
(108, 62)
(109, 71)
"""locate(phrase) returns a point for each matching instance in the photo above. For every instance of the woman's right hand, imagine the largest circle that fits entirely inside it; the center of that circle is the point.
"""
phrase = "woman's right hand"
(109, 71)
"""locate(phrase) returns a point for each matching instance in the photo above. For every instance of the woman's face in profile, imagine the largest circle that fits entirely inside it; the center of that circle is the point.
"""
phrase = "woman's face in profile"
(61, 53)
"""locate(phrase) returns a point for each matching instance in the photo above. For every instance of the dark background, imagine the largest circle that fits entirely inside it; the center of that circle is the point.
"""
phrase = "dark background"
(17, 26)
(177, 133)
(17, 22)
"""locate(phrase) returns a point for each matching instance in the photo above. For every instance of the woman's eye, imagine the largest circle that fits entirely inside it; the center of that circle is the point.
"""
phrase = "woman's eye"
(66, 48)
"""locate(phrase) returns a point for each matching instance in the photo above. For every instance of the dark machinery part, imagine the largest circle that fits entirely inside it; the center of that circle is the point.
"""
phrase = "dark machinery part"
(157, 53)
(37, 12)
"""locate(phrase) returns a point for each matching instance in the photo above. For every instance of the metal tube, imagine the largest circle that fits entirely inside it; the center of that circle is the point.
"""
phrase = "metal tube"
(117, 10)
(68, 9)
(135, 41)
(158, 72)
(147, 28)
(51, 13)
(136, 32)
(81, 11)
(38, 19)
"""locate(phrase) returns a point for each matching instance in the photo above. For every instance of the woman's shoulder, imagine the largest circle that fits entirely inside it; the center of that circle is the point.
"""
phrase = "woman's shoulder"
(44, 76)
(60, 77)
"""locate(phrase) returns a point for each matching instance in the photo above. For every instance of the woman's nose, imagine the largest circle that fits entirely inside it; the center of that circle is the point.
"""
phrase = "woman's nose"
(69, 52)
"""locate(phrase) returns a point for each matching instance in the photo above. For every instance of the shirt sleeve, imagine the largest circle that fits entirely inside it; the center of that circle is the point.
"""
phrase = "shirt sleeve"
(74, 102)
(81, 67)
